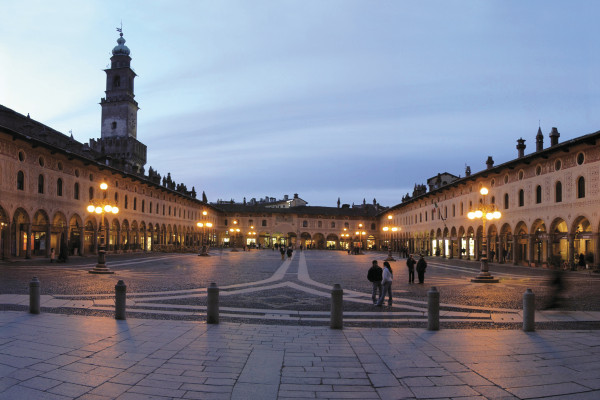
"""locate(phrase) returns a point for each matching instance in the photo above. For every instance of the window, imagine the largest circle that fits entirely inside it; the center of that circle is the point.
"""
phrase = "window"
(117, 81)
(557, 165)
(332, 224)
(506, 201)
(580, 158)
(60, 166)
(462, 209)
(113, 125)
(251, 222)
(538, 194)
(304, 224)
(264, 222)
(225, 222)
(320, 224)
(59, 187)
(20, 180)
(493, 199)
(125, 204)
(169, 209)
(76, 191)
(372, 227)
(538, 170)
(506, 178)
(143, 205)
(134, 203)
(558, 192)
(521, 175)
(21, 156)
(150, 209)
(521, 198)
(41, 161)
(41, 184)
(91, 193)
(164, 208)
(454, 210)
(581, 187)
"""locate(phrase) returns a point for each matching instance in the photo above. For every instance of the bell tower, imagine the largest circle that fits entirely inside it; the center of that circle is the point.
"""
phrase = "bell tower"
(118, 142)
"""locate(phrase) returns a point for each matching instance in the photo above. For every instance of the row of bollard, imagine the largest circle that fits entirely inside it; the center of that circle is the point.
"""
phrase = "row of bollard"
(337, 301)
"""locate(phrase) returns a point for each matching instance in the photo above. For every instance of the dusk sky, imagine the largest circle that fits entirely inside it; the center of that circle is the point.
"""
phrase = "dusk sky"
(327, 99)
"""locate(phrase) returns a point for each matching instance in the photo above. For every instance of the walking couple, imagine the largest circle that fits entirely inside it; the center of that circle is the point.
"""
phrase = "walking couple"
(421, 267)
(382, 282)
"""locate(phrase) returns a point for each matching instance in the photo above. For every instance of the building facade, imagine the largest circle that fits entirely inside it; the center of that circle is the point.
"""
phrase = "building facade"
(549, 199)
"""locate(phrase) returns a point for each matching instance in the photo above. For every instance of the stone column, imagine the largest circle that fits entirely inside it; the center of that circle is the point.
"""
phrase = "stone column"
(515, 249)
(49, 241)
(548, 249)
(6, 240)
(29, 242)
(531, 250)
(571, 252)
(81, 241)
(500, 249)
(468, 248)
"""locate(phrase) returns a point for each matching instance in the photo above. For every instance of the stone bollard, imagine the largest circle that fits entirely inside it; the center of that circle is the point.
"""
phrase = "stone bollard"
(337, 307)
(433, 309)
(212, 304)
(34, 296)
(528, 311)
(120, 299)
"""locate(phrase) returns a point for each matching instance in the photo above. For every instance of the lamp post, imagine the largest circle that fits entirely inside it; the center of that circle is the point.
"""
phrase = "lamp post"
(234, 232)
(204, 245)
(360, 232)
(485, 212)
(101, 207)
(346, 235)
(252, 235)
(388, 231)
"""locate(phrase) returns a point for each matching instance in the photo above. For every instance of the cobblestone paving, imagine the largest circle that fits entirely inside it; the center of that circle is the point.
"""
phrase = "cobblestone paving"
(257, 286)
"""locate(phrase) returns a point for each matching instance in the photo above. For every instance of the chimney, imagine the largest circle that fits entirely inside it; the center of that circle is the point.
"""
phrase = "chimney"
(554, 135)
(539, 140)
(521, 147)
(490, 162)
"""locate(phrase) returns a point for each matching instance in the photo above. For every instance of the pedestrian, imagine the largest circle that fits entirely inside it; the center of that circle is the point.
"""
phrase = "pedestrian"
(282, 251)
(386, 282)
(421, 267)
(289, 252)
(410, 263)
(52, 255)
(375, 275)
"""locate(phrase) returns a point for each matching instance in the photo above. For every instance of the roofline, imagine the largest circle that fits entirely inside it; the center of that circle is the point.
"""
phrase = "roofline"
(590, 138)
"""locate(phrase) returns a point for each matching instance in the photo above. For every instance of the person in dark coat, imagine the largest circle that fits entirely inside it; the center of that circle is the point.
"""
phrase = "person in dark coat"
(289, 252)
(375, 275)
(421, 267)
(410, 263)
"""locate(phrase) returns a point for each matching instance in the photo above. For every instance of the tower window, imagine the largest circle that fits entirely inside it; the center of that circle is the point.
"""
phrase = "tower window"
(117, 81)
(113, 125)
(59, 187)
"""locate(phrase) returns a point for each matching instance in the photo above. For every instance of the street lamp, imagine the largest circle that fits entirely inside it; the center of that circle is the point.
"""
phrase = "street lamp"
(234, 232)
(360, 233)
(346, 235)
(101, 207)
(485, 212)
(389, 230)
(204, 225)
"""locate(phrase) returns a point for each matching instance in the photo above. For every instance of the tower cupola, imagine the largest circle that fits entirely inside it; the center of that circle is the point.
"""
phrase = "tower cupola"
(121, 49)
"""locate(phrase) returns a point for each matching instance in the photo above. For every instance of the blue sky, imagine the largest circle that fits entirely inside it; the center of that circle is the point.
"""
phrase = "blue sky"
(327, 99)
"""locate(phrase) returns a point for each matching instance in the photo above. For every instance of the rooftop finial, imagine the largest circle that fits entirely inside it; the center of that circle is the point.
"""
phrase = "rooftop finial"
(120, 30)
